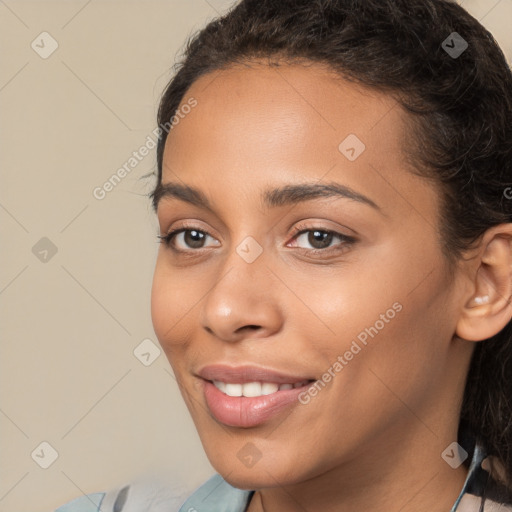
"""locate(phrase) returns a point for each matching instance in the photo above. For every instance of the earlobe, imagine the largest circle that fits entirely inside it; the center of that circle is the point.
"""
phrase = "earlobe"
(489, 308)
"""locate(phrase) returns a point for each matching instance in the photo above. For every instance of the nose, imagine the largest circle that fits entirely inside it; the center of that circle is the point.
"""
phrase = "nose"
(243, 302)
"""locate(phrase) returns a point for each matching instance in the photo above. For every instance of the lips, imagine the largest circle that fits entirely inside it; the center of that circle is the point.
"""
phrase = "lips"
(249, 411)
(243, 374)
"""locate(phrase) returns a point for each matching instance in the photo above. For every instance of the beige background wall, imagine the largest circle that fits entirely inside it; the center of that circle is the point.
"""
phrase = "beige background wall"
(70, 321)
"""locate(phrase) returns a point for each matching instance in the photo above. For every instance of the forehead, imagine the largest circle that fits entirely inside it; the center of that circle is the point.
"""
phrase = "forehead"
(256, 124)
(286, 106)
(291, 94)
(291, 107)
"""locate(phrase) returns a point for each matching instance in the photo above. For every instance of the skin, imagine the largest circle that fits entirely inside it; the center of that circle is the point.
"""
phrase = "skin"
(373, 437)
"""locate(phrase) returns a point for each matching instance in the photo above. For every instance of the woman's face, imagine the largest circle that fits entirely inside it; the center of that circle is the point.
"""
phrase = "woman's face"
(360, 301)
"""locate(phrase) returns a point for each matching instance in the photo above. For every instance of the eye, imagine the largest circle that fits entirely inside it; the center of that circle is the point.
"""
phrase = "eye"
(321, 239)
(188, 238)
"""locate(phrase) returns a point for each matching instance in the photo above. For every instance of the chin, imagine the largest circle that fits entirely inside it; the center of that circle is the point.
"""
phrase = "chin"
(264, 474)
(249, 479)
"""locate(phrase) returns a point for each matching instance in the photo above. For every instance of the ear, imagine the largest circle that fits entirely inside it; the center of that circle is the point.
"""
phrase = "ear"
(488, 305)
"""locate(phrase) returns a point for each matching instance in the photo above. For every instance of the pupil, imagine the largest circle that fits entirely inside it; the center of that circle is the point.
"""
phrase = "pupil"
(325, 239)
(191, 241)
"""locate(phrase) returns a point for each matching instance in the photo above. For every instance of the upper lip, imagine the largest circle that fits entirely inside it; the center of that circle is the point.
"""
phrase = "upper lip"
(247, 373)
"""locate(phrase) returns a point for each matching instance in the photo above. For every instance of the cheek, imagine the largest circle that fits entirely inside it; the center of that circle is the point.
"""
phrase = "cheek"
(170, 306)
(400, 361)
(160, 299)
(389, 323)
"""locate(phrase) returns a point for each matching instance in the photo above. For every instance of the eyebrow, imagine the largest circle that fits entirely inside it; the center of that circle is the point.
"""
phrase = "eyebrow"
(271, 198)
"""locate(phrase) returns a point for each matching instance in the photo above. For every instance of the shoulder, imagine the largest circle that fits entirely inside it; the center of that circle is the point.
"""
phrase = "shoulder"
(143, 495)
(158, 496)
(86, 503)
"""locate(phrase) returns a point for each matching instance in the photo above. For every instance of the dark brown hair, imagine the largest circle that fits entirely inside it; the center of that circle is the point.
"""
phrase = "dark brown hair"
(459, 105)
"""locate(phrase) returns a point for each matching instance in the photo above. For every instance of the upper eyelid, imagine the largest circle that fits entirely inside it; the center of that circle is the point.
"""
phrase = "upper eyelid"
(342, 236)
(195, 224)
(296, 231)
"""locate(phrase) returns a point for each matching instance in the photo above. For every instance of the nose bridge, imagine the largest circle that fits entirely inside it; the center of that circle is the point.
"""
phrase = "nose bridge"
(243, 274)
(242, 294)
(247, 256)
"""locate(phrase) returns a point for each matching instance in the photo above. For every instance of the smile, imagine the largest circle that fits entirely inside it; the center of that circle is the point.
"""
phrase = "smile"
(254, 389)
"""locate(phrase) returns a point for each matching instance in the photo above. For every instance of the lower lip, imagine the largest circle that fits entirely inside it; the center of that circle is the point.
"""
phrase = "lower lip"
(242, 411)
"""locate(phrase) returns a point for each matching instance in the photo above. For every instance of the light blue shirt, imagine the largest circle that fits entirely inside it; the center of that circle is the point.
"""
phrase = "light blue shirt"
(216, 495)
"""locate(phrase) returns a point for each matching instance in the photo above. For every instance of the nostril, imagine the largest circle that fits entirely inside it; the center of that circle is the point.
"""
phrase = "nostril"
(253, 327)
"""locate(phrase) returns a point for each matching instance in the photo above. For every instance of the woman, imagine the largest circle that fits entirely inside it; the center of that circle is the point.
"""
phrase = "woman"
(333, 289)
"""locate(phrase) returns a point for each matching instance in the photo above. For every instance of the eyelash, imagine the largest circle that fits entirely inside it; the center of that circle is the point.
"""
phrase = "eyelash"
(347, 241)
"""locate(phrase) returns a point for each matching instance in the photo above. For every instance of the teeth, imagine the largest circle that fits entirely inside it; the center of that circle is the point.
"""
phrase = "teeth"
(220, 385)
(252, 389)
(233, 389)
(267, 388)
